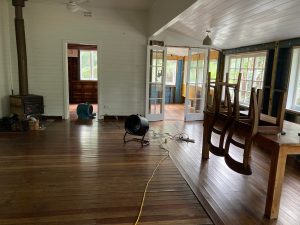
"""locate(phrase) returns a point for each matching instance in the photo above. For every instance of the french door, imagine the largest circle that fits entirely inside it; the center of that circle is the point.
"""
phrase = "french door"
(155, 83)
(195, 83)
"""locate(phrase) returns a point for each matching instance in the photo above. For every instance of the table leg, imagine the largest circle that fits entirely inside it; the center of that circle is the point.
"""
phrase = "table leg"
(205, 146)
(276, 175)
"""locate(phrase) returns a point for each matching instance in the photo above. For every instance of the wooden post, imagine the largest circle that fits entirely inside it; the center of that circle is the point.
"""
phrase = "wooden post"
(274, 70)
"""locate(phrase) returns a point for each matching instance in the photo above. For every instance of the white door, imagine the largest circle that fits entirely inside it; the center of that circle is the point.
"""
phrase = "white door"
(155, 83)
(195, 84)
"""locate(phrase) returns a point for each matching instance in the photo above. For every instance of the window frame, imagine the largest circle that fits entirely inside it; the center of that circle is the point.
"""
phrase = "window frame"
(293, 81)
(94, 76)
(242, 56)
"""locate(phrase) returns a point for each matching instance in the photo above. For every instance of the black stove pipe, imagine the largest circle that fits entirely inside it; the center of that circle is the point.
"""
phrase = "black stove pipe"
(21, 46)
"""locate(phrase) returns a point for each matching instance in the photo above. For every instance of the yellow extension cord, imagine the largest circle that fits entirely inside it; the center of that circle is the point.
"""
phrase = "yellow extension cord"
(174, 137)
(146, 188)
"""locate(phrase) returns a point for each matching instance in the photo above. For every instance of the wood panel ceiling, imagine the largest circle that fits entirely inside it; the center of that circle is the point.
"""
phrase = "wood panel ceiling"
(236, 23)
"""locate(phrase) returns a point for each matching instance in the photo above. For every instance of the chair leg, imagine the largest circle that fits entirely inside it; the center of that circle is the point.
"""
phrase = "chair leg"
(124, 138)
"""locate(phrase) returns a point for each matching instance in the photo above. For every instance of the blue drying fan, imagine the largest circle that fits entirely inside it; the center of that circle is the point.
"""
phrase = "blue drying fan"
(85, 111)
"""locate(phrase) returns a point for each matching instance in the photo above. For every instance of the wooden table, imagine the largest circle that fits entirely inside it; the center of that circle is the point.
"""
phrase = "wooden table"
(280, 146)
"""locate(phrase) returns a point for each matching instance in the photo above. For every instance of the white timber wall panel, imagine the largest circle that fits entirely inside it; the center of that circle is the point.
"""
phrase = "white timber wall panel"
(4, 60)
(174, 38)
(122, 40)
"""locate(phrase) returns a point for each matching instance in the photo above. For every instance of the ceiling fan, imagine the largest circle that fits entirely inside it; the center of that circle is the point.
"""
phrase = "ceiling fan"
(74, 6)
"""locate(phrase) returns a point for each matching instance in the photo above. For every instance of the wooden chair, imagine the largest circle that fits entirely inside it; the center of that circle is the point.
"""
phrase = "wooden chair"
(243, 128)
(220, 112)
(270, 125)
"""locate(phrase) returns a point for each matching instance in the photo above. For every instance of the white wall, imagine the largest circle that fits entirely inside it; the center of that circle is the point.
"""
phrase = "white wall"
(174, 38)
(121, 36)
(4, 60)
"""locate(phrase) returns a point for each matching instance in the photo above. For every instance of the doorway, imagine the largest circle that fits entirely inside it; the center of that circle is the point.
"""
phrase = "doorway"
(175, 75)
(82, 75)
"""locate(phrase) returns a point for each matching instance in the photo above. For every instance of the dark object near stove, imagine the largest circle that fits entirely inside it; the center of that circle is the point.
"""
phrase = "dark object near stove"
(9, 124)
(138, 126)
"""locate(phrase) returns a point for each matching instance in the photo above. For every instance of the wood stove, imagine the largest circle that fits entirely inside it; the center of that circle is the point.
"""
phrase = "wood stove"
(26, 105)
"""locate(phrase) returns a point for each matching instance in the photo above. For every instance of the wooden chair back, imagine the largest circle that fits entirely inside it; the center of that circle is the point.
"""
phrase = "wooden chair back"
(243, 129)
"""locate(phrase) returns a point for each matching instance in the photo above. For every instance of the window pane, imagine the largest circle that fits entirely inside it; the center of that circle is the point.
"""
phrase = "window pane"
(248, 86)
(88, 65)
(95, 66)
(232, 63)
(193, 75)
(155, 91)
(243, 86)
(260, 62)
(200, 75)
(247, 97)
(193, 64)
(156, 74)
(232, 73)
(213, 65)
(244, 74)
(258, 75)
(251, 63)
(238, 63)
(250, 74)
(245, 63)
(171, 72)
(86, 68)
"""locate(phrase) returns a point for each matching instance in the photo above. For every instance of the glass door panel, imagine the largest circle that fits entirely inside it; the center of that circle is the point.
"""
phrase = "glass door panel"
(155, 87)
(195, 84)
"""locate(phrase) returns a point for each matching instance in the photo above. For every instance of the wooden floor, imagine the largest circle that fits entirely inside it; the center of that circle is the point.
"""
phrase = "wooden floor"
(235, 198)
(73, 173)
(174, 112)
(81, 174)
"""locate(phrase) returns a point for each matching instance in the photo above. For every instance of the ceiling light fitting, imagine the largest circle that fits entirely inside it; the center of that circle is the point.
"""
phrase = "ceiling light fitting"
(207, 40)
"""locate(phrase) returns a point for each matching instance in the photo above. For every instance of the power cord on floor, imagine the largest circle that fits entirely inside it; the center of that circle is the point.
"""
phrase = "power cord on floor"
(146, 188)
(163, 140)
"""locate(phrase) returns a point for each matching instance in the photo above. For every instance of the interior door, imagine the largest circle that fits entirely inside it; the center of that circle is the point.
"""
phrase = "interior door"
(155, 83)
(195, 84)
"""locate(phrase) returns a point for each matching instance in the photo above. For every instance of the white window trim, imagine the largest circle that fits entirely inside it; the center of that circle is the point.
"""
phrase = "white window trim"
(294, 79)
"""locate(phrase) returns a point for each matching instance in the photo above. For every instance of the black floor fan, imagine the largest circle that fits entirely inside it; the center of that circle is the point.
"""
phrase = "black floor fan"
(137, 126)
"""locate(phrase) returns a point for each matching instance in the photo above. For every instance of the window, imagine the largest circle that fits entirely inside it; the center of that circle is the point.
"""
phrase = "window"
(293, 101)
(88, 65)
(171, 72)
(252, 67)
(196, 69)
(213, 63)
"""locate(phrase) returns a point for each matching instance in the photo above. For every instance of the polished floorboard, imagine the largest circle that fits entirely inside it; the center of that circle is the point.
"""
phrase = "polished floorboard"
(174, 112)
(76, 173)
(228, 197)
